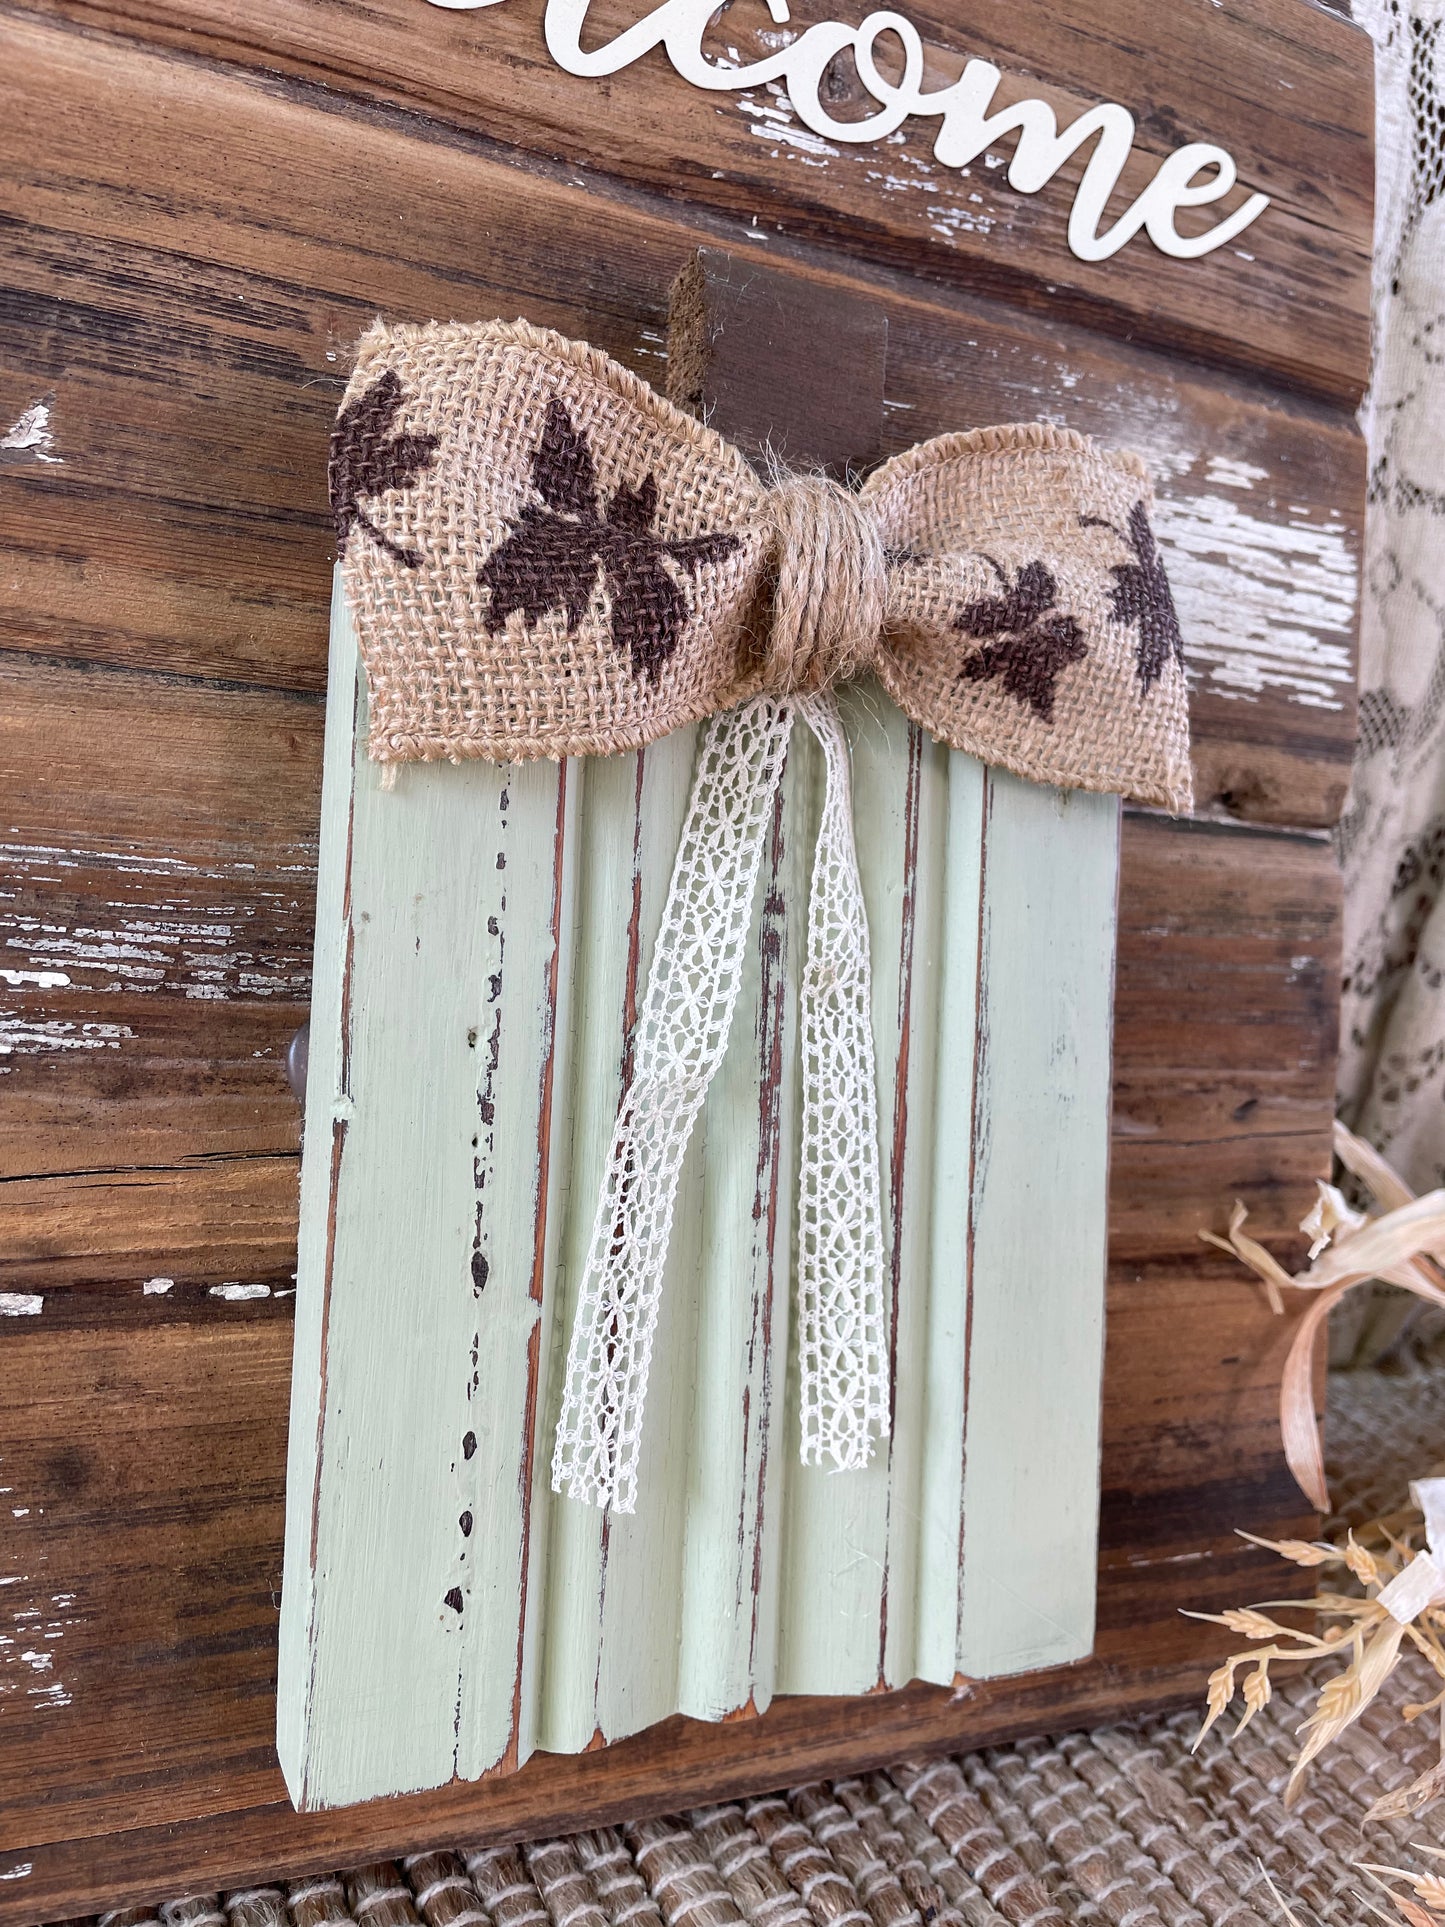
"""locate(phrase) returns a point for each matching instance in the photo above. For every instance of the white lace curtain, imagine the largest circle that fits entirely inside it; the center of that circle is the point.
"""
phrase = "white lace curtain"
(1392, 836)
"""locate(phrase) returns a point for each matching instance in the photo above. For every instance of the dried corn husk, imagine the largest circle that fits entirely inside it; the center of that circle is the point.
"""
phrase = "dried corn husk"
(1413, 1912)
(1399, 1244)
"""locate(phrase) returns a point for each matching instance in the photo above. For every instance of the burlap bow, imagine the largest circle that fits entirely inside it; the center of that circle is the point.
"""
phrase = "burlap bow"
(544, 558)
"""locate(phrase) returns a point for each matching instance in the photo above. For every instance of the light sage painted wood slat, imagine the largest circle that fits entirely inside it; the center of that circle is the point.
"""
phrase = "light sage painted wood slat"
(943, 1377)
(737, 1454)
(431, 990)
(844, 1569)
(1036, 1350)
(612, 1576)
(482, 942)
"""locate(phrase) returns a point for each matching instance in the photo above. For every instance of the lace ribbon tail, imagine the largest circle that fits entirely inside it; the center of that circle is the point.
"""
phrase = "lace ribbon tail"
(682, 1033)
(842, 1313)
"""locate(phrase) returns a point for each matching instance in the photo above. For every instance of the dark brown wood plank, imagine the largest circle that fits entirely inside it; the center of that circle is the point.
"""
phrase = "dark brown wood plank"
(154, 1438)
(159, 854)
(166, 766)
(196, 1078)
(1284, 85)
(193, 347)
(1225, 1029)
(225, 1221)
(154, 1434)
(742, 353)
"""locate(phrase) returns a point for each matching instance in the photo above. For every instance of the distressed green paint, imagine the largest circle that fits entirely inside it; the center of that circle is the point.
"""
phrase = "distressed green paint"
(427, 1123)
(744, 1163)
(610, 1577)
(1030, 1494)
(840, 1559)
(495, 936)
(945, 1365)
(325, 1113)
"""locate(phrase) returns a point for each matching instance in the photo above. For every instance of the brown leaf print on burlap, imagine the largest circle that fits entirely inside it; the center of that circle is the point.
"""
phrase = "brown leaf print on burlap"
(1142, 596)
(367, 459)
(554, 552)
(1031, 642)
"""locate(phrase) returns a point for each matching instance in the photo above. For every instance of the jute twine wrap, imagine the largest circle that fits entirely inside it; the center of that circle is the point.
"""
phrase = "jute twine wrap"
(545, 558)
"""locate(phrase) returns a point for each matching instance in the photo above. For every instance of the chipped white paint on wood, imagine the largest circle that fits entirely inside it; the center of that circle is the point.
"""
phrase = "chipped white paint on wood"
(1283, 616)
(32, 1635)
(421, 1219)
(482, 941)
(1266, 588)
(31, 435)
(137, 939)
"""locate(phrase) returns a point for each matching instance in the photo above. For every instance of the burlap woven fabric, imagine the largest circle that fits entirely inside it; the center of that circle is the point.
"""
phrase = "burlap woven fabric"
(545, 558)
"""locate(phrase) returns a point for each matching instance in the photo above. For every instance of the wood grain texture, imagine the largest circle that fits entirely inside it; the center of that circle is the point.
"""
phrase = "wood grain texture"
(1284, 85)
(743, 354)
(162, 649)
(194, 352)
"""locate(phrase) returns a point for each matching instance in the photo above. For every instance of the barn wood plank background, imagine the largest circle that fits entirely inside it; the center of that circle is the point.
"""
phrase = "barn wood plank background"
(203, 206)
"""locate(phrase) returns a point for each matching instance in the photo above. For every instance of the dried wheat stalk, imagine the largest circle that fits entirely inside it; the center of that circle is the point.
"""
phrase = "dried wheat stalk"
(1360, 1629)
(1425, 1909)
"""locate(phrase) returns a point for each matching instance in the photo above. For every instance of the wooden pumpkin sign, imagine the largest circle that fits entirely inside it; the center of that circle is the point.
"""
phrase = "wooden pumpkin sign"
(485, 934)
(1150, 231)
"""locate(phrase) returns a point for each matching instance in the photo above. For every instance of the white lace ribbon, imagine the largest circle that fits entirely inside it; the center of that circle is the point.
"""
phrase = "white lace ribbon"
(682, 1033)
(842, 1318)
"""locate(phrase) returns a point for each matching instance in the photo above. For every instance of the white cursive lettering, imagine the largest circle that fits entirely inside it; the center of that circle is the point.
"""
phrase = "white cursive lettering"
(1193, 176)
